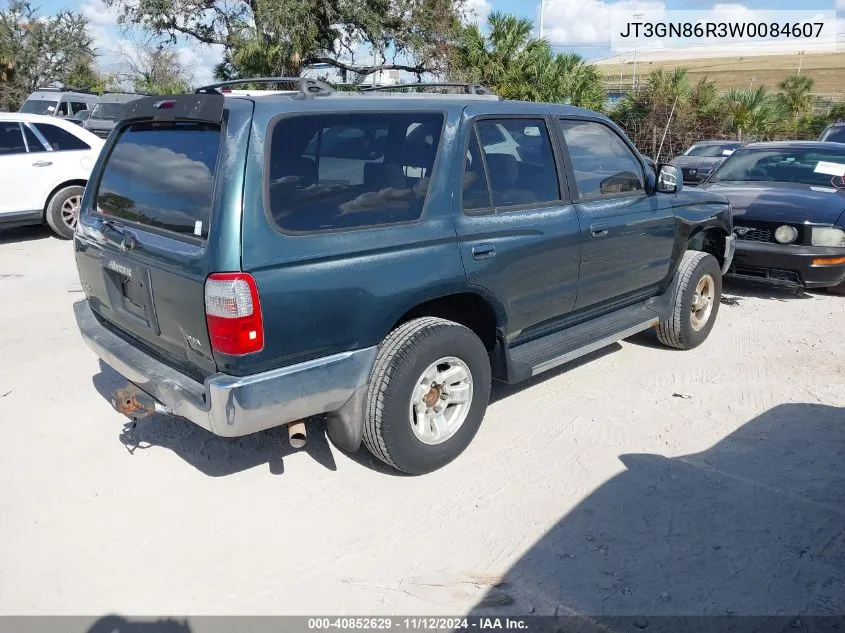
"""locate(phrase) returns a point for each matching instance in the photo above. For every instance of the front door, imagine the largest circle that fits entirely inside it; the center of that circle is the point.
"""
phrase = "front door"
(627, 233)
(15, 171)
(518, 233)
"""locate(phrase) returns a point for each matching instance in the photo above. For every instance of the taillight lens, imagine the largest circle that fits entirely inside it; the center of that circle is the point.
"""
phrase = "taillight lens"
(233, 313)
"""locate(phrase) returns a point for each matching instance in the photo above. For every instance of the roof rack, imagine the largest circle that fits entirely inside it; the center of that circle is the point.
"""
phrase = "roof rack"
(65, 89)
(305, 86)
(468, 88)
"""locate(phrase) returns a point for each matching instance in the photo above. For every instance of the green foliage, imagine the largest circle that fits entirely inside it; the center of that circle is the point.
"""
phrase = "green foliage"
(83, 75)
(516, 65)
(278, 37)
(36, 51)
(796, 95)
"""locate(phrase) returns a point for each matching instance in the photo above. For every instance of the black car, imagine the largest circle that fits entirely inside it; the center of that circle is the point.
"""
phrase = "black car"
(834, 133)
(788, 201)
(701, 159)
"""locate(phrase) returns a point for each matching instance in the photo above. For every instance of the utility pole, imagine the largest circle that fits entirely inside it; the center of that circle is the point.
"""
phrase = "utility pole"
(621, 70)
(800, 60)
(542, 16)
(634, 76)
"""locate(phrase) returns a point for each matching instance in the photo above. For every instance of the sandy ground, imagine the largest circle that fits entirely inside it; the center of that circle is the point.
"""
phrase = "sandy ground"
(639, 481)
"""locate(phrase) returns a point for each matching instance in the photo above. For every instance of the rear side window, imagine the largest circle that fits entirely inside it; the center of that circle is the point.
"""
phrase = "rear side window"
(11, 138)
(34, 143)
(162, 175)
(60, 140)
(603, 163)
(344, 171)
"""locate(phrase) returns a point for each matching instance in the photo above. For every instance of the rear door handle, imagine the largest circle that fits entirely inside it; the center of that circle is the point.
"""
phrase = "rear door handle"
(42, 163)
(483, 251)
(598, 230)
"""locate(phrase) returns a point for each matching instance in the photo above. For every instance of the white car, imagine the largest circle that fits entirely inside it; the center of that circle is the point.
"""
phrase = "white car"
(45, 163)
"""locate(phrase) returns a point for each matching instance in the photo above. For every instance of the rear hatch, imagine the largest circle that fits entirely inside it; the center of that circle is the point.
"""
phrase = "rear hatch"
(150, 229)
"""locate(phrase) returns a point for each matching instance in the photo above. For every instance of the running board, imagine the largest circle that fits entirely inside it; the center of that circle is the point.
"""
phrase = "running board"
(553, 350)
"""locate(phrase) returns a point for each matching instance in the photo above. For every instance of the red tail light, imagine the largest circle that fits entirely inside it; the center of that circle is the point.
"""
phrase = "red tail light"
(233, 313)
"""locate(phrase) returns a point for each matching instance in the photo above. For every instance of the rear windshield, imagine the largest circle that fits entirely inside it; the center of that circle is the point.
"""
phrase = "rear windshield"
(39, 106)
(343, 171)
(162, 175)
(835, 135)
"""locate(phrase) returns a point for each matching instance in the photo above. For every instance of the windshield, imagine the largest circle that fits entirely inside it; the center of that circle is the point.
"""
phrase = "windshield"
(808, 166)
(710, 151)
(835, 135)
(39, 106)
(107, 111)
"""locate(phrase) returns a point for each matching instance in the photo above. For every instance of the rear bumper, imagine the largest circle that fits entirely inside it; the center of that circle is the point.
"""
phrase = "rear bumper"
(787, 264)
(231, 406)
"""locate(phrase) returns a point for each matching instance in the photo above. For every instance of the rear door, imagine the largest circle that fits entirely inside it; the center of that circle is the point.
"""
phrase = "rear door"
(518, 232)
(152, 226)
(627, 233)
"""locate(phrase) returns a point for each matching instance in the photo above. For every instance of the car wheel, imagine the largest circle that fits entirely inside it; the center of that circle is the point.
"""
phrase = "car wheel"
(697, 291)
(63, 210)
(427, 395)
(837, 290)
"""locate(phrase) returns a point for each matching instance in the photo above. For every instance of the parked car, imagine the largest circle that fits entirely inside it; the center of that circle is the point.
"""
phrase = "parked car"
(108, 111)
(58, 102)
(45, 163)
(701, 159)
(251, 262)
(834, 133)
(788, 201)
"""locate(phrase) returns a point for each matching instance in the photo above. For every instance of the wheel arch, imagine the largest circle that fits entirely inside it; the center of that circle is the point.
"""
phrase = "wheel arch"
(73, 182)
(709, 239)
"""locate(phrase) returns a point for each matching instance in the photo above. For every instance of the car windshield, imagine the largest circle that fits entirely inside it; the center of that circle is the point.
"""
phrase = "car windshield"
(808, 166)
(107, 111)
(39, 106)
(710, 151)
(835, 135)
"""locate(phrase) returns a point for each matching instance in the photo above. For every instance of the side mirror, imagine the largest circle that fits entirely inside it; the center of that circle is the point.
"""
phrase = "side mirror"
(669, 179)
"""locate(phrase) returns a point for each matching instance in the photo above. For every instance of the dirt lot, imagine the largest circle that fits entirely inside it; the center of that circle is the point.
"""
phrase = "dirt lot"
(639, 481)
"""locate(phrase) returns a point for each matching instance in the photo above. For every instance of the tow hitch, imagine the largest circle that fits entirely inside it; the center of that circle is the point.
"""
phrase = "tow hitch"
(136, 403)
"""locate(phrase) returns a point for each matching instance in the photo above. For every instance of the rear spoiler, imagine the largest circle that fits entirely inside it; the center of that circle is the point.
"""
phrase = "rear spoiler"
(196, 107)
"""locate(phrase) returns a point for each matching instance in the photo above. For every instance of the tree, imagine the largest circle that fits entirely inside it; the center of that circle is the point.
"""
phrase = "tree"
(516, 65)
(752, 111)
(279, 37)
(84, 75)
(153, 68)
(796, 95)
(39, 51)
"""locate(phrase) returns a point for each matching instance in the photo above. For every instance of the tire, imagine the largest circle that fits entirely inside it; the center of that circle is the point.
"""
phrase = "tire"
(393, 427)
(57, 211)
(686, 328)
(837, 290)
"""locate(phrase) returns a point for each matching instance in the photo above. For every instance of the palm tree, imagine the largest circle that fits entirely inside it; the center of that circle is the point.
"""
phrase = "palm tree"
(796, 95)
(751, 111)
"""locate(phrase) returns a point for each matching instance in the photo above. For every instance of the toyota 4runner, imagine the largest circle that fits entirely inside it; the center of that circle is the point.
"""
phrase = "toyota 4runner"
(249, 262)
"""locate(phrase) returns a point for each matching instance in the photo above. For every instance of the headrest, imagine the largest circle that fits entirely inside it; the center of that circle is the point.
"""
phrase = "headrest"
(382, 176)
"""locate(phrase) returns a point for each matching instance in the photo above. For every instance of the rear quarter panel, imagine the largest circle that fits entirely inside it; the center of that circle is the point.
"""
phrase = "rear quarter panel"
(333, 291)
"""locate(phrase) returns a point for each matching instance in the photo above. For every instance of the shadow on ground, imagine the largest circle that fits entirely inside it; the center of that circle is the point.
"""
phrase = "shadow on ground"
(212, 455)
(24, 234)
(735, 290)
(754, 525)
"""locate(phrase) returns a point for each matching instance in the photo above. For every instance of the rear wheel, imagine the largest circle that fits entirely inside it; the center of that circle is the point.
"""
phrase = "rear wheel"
(427, 395)
(697, 291)
(63, 210)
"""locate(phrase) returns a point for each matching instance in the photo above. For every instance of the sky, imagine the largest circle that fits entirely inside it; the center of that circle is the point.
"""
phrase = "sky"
(581, 26)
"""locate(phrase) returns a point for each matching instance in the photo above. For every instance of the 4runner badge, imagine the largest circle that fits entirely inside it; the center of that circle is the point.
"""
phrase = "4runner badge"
(119, 268)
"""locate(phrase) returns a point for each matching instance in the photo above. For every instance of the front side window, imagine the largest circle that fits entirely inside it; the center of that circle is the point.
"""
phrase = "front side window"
(603, 163)
(60, 140)
(162, 175)
(344, 171)
(521, 167)
(35, 144)
(76, 106)
(11, 138)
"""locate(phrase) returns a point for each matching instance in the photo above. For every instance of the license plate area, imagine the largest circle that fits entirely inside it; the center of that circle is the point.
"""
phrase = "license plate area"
(130, 291)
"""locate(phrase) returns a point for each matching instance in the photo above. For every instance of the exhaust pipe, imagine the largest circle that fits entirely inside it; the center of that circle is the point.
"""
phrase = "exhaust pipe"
(296, 432)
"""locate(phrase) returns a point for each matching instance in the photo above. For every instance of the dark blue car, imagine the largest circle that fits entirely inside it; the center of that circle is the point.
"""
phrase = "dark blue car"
(252, 261)
(788, 202)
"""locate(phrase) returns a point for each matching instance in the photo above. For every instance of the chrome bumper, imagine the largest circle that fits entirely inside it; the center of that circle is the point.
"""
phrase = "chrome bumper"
(730, 249)
(231, 406)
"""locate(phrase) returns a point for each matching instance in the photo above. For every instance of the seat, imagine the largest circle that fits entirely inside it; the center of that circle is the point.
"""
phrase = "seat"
(378, 176)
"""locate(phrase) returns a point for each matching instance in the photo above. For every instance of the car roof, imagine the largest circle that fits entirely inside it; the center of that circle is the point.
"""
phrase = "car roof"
(789, 145)
(58, 94)
(716, 142)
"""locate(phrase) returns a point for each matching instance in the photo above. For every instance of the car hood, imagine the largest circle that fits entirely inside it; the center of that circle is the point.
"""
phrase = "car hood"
(783, 202)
